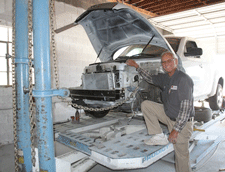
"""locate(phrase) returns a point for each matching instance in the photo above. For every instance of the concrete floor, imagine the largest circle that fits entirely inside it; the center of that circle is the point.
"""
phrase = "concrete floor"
(213, 162)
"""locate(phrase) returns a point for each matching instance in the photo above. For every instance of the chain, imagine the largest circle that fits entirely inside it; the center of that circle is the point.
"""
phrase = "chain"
(106, 108)
(14, 87)
(53, 44)
(31, 103)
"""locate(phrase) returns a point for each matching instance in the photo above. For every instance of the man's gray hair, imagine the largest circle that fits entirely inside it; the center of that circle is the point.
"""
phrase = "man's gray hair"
(168, 52)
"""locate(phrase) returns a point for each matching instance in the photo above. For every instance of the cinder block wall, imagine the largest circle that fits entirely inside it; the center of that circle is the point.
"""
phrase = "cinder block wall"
(73, 47)
(74, 52)
(6, 116)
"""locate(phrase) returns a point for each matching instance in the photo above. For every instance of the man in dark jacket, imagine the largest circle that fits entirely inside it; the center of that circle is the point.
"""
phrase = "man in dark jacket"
(177, 110)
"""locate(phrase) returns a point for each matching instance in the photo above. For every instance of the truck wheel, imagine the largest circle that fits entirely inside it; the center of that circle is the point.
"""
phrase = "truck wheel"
(203, 114)
(216, 101)
(97, 114)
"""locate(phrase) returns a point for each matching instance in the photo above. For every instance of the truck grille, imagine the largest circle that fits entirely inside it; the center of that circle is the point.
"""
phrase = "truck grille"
(98, 81)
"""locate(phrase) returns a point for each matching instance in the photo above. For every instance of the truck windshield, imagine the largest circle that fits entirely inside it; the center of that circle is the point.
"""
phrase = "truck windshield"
(174, 43)
(135, 51)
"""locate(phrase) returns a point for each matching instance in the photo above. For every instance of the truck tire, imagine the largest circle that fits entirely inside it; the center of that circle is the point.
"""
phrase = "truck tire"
(203, 114)
(97, 114)
(216, 101)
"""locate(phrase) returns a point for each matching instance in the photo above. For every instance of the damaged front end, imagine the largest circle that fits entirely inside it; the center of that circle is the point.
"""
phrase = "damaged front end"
(110, 28)
(108, 84)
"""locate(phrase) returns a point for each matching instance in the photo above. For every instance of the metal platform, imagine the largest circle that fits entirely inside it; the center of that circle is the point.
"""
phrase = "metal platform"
(123, 149)
(122, 153)
(116, 142)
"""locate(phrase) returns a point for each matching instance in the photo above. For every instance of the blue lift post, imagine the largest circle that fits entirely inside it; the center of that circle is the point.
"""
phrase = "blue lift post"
(22, 81)
(43, 93)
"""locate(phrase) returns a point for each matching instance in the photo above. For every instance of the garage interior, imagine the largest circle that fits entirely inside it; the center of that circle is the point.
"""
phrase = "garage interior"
(200, 19)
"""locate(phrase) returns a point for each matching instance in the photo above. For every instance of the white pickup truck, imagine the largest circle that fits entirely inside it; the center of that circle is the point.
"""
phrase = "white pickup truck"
(114, 28)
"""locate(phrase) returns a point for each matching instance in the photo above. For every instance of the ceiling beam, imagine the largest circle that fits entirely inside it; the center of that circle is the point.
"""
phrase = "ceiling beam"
(147, 3)
(133, 2)
(165, 4)
(145, 12)
(162, 7)
(176, 7)
(200, 1)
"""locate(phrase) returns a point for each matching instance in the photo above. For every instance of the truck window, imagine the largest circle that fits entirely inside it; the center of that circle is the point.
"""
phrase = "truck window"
(174, 43)
(150, 51)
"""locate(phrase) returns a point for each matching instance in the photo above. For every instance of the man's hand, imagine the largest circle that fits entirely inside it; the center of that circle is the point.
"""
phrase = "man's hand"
(132, 63)
(173, 136)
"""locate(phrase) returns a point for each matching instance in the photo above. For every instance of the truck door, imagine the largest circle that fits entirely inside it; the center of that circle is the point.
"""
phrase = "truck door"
(194, 68)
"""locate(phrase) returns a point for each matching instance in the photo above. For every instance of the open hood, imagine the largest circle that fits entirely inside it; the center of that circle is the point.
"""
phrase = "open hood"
(111, 26)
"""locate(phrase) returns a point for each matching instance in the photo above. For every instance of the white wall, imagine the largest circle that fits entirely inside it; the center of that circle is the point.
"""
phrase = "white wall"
(73, 46)
(221, 45)
(5, 12)
(6, 116)
(74, 52)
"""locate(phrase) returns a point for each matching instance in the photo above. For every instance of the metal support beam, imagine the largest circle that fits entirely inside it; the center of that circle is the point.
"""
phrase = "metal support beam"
(22, 81)
(43, 85)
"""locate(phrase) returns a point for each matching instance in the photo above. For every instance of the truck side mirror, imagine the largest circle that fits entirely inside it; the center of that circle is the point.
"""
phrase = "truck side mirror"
(193, 52)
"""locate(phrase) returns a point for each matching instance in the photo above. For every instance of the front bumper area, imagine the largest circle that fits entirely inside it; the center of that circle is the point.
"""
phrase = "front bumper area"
(101, 95)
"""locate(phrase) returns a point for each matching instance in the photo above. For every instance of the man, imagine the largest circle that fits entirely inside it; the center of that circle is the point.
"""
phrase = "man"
(177, 110)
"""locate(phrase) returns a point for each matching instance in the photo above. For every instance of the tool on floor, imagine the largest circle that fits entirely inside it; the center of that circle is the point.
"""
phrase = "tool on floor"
(196, 129)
